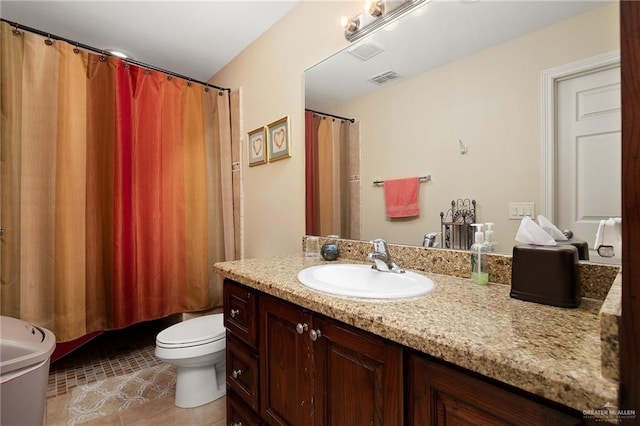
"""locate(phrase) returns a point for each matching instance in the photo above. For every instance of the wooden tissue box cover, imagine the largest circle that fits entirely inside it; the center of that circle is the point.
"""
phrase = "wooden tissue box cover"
(546, 274)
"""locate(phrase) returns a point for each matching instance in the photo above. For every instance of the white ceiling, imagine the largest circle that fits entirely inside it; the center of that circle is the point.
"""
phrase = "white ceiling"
(192, 38)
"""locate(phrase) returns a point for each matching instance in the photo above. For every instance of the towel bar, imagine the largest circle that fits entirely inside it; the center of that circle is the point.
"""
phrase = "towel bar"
(426, 178)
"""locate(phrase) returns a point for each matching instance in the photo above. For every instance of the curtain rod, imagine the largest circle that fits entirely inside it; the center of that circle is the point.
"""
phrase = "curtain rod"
(353, 120)
(18, 26)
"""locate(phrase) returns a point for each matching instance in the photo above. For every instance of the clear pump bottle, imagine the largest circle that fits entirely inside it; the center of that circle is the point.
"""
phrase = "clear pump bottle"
(479, 261)
(488, 238)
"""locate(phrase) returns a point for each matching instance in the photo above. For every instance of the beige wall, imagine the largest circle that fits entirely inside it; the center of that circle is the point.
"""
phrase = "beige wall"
(492, 101)
(269, 74)
(504, 148)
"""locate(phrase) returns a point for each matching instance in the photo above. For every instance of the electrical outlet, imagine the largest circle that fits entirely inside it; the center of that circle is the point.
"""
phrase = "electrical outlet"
(519, 210)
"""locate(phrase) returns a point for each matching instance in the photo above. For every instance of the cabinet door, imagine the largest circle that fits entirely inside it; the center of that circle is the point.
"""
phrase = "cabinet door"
(358, 377)
(285, 363)
(440, 395)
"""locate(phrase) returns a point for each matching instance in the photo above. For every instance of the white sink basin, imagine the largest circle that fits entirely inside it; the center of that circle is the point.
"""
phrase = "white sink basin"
(363, 281)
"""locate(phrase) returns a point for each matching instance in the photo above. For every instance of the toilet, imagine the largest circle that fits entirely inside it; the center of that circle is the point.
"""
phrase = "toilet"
(197, 347)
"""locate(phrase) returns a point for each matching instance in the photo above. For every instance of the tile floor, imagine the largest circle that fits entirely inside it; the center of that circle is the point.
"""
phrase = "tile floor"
(114, 354)
(159, 412)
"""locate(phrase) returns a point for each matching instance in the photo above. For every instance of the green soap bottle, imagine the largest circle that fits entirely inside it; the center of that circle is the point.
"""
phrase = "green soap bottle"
(479, 261)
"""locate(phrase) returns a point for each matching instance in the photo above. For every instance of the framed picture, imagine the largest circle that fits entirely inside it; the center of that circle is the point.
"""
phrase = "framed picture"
(278, 139)
(257, 147)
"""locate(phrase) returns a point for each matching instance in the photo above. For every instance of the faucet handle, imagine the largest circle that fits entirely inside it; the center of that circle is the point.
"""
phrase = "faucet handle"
(379, 246)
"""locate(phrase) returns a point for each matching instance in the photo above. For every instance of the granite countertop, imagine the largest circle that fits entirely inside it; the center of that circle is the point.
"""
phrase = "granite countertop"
(551, 352)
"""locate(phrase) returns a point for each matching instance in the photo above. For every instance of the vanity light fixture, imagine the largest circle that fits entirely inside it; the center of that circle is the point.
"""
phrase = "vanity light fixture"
(377, 13)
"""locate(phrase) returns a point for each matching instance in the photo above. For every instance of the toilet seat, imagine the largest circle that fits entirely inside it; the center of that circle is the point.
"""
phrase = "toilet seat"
(194, 332)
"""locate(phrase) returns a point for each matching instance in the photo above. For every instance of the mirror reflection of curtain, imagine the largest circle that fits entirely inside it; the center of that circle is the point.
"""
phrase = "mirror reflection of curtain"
(112, 189)
(332, 176)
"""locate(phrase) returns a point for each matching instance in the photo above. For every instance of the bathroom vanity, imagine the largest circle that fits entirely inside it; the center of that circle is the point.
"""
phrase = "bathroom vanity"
(463, 353)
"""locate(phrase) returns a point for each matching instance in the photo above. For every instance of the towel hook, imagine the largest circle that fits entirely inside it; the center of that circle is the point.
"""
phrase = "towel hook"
(463, 149)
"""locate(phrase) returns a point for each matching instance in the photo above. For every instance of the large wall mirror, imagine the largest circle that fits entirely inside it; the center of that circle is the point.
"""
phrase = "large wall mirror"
(492, 100)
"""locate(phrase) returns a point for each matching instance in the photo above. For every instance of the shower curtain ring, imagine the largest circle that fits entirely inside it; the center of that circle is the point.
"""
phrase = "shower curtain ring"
(48, 41)
(16, 31)
(75, 49)
(189, 83)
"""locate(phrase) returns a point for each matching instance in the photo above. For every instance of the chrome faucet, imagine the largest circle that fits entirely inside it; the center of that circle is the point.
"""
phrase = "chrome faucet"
(382, 259)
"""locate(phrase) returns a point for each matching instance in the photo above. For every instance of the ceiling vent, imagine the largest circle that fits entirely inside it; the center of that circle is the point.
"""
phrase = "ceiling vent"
(366, 50)
(384, 77)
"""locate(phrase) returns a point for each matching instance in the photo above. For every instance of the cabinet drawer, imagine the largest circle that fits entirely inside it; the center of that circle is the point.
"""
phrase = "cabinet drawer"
(240, 305)
(242, 371)
(238, 414)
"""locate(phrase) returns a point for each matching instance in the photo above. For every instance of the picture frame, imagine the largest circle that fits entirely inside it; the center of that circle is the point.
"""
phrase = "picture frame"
(257, 146)
(279, 139)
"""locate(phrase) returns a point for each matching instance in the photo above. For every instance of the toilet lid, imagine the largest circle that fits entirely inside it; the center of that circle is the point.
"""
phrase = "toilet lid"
(198, 330)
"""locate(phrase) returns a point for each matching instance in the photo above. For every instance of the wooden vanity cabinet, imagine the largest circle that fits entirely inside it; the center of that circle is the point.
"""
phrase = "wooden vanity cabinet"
(289, 366)
(441, 395)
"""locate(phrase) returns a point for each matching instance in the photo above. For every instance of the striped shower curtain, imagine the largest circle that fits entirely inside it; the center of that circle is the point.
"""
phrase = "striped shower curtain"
(113, 203)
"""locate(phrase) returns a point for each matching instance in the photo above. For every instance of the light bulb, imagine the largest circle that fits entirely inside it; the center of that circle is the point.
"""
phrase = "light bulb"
(350, 25)
(374, 8)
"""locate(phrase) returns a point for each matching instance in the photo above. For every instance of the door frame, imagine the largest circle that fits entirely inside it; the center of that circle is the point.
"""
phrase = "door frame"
(550, 79)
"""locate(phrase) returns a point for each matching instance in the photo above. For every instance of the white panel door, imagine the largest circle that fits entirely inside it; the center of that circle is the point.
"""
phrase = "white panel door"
(588, 166)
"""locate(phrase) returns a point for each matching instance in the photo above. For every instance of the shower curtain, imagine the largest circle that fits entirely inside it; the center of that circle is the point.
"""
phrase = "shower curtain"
(113, 203)
(332, 176)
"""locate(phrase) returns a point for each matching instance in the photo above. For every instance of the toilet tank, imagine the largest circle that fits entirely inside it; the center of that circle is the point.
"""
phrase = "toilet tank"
(25, 351)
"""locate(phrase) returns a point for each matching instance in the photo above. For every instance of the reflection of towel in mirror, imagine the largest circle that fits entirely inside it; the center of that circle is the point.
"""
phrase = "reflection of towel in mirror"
(401, 197)
(530, 232)
(551, 229)
(610, 234)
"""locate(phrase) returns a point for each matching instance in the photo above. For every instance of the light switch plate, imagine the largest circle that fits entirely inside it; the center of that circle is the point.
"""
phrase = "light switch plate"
(519, 210)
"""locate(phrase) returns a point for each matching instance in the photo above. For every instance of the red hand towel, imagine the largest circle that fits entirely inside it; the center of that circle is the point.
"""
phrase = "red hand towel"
(401, 197)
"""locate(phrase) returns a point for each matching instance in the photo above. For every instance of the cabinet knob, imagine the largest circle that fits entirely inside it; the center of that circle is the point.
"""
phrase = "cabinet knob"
(234, 312)
(301, 328)
(314, 334)
(236, 373)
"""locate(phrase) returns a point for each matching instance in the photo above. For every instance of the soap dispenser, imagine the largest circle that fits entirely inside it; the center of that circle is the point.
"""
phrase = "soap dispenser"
(488, 238)
(479, 261)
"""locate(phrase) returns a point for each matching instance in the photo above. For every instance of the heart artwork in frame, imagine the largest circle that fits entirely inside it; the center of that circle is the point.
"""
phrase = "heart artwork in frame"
(278, 139)
(257, 147)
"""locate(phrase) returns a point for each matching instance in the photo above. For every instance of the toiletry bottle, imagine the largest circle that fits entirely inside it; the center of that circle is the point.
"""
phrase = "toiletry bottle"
(488, 238)
(479, 267)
